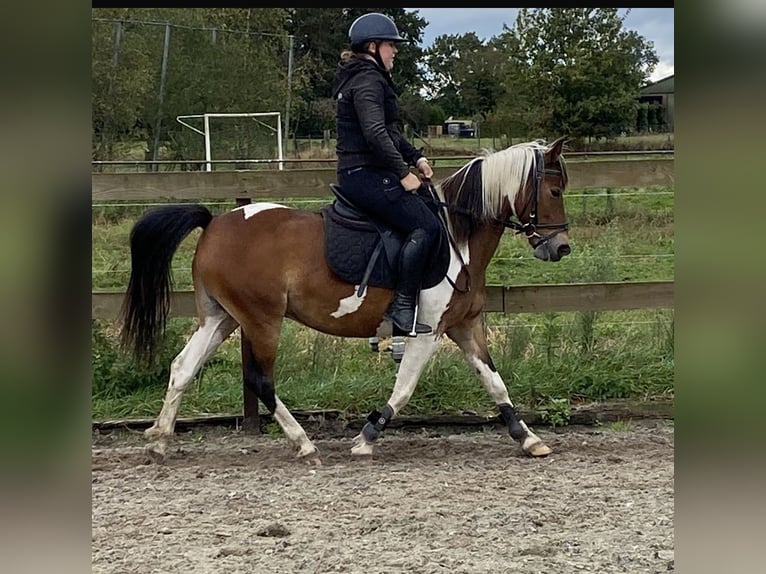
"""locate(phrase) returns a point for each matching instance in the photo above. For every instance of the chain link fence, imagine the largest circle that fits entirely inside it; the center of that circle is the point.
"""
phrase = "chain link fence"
(146, 74)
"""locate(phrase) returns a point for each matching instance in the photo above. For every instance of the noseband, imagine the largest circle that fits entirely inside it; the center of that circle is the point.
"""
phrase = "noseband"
(529, 229)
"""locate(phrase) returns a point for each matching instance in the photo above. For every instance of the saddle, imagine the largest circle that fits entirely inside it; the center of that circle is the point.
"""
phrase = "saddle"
(365, 252)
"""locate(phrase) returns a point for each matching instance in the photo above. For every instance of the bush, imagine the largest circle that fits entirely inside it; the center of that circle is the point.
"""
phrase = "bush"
(117, 374)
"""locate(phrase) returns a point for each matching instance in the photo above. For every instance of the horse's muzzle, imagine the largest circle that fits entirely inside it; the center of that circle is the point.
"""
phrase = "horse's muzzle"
(552, 250)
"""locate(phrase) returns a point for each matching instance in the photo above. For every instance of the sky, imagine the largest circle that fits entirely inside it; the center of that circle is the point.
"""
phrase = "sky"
(654, 24)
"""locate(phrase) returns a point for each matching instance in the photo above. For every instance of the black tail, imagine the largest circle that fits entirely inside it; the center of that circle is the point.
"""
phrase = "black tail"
(153, 241)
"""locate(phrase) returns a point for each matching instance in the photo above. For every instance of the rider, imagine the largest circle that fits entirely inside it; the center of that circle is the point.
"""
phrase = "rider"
(374, 157)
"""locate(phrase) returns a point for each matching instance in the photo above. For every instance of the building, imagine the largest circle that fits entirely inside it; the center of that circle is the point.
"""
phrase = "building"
(661, 92)
(459, 128)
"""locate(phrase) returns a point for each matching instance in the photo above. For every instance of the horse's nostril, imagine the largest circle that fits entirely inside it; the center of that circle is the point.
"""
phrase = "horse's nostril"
(564, 250)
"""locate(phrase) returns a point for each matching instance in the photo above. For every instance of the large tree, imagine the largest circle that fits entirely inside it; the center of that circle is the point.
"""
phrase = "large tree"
(581, 70)
(464, 75)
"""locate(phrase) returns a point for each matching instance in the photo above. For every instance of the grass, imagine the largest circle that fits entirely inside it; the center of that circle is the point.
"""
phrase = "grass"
(622, 237)
(551, 361)
(629, 357)
(622, 426)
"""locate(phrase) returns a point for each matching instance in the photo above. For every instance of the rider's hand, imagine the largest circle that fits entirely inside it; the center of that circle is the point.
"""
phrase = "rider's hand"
(424, 168)
(410, 182)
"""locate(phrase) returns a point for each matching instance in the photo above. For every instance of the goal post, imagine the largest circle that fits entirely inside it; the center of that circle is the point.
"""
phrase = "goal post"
(206, 133)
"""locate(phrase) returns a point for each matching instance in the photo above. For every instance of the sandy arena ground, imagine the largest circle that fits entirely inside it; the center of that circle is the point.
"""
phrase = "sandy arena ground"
(429, 502)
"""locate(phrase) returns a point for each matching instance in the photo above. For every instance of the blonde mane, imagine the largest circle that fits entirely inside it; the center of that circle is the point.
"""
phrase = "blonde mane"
(503, 175)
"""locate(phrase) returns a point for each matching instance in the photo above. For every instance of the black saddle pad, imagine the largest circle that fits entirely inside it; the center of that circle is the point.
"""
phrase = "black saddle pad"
(351, 241)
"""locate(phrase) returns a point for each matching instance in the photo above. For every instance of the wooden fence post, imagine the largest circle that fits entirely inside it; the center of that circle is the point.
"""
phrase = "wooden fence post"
(251, 420)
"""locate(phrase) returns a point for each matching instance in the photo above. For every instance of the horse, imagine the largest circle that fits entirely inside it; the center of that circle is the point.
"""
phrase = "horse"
(260, 263)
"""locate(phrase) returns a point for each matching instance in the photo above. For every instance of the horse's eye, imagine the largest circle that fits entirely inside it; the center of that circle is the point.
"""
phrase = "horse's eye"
(555, 192)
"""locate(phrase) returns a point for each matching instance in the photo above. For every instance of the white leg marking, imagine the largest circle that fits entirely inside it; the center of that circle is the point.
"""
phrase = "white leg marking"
(491, 380)
(349, 304)
(496, 388)
(254, 208)
(293, 430)
(187, 363)
(418, 351)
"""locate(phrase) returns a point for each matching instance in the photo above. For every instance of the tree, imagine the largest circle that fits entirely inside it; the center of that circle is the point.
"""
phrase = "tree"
(219, 60)
(581, 70)
(463, 75)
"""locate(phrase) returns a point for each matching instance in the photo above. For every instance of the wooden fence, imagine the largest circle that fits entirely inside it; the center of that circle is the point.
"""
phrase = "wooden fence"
(516, 299)
(314, 183)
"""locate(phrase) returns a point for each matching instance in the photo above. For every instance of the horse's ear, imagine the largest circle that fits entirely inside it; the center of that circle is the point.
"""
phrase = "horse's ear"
(555, 149)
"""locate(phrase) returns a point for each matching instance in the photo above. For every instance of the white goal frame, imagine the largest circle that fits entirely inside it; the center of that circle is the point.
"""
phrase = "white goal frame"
(205, 132)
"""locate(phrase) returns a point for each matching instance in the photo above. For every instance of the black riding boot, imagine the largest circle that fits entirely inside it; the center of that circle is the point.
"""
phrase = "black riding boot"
(412, 261)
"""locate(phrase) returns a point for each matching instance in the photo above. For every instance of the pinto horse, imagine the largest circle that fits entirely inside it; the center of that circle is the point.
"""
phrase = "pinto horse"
(262, 262)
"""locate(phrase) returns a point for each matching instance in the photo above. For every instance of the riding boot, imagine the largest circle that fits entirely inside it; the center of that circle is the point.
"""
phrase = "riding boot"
(412, 262)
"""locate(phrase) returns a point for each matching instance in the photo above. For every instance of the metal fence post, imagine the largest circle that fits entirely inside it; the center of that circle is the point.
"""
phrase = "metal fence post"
(161, 97)
(251, 419)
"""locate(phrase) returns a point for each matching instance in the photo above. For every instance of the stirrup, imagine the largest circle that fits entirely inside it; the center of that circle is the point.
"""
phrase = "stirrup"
(411, 331)
(420, 329)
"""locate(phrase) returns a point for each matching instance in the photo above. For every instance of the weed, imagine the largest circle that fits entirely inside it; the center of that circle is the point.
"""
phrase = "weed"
(622, 426)
(556, 412)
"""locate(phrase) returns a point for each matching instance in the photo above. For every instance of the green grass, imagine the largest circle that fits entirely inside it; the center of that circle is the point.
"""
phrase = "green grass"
(618, 238)
(551, 360)
(630, 355)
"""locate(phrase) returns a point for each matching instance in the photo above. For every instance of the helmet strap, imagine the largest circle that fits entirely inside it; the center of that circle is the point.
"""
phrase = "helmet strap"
(376, 56)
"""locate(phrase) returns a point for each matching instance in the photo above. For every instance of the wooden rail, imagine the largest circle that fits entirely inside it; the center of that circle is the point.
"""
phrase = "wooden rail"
(303, 183)
(515, 299)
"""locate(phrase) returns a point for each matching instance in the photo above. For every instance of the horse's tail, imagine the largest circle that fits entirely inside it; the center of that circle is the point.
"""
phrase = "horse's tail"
(153, 241)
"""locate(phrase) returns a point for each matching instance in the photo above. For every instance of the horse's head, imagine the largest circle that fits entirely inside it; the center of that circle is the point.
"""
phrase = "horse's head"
(540, 205)
(525, 181)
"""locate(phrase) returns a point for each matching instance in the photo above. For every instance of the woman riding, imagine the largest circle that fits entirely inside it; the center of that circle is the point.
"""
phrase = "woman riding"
(374, 158)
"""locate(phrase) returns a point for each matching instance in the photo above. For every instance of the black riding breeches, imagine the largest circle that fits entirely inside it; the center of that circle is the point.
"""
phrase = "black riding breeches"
(379, 194)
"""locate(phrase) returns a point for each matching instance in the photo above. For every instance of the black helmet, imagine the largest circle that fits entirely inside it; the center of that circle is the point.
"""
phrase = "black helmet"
(373, 26)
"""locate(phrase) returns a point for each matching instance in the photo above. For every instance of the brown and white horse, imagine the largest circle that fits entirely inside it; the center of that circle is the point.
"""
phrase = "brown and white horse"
(262, 262)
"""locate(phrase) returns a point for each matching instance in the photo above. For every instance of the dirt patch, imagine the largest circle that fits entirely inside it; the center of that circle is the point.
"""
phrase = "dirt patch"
(430, 502)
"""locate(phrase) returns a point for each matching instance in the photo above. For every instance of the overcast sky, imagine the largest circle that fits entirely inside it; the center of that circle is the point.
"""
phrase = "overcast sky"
(654, 24)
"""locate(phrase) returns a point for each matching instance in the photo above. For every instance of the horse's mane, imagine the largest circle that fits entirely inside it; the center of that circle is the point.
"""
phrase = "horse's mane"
(480, 186)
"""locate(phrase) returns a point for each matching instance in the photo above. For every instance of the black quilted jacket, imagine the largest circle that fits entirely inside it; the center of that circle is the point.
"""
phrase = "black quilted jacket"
(367, 119)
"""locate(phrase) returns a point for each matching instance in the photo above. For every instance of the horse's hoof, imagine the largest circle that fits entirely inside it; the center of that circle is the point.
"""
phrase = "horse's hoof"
(311, 457)
(537, 449)
(156, 451)
(361, 447)
(152, 433)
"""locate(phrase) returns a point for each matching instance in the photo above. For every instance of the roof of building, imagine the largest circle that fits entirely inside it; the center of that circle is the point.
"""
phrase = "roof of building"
(451, 120)
(664, 86)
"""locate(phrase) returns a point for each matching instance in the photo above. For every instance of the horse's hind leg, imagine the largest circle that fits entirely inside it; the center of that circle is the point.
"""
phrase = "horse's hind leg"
(259, 373)
(215, 327)
(469, 336)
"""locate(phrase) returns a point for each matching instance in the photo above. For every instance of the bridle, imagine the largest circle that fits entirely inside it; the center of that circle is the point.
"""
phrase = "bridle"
(530, 228)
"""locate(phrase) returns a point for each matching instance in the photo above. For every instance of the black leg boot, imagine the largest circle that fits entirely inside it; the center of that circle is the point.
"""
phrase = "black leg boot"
(412, 260)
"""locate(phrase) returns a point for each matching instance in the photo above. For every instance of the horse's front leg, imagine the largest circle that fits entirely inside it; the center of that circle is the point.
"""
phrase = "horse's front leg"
(469, 336)
(417, 353)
